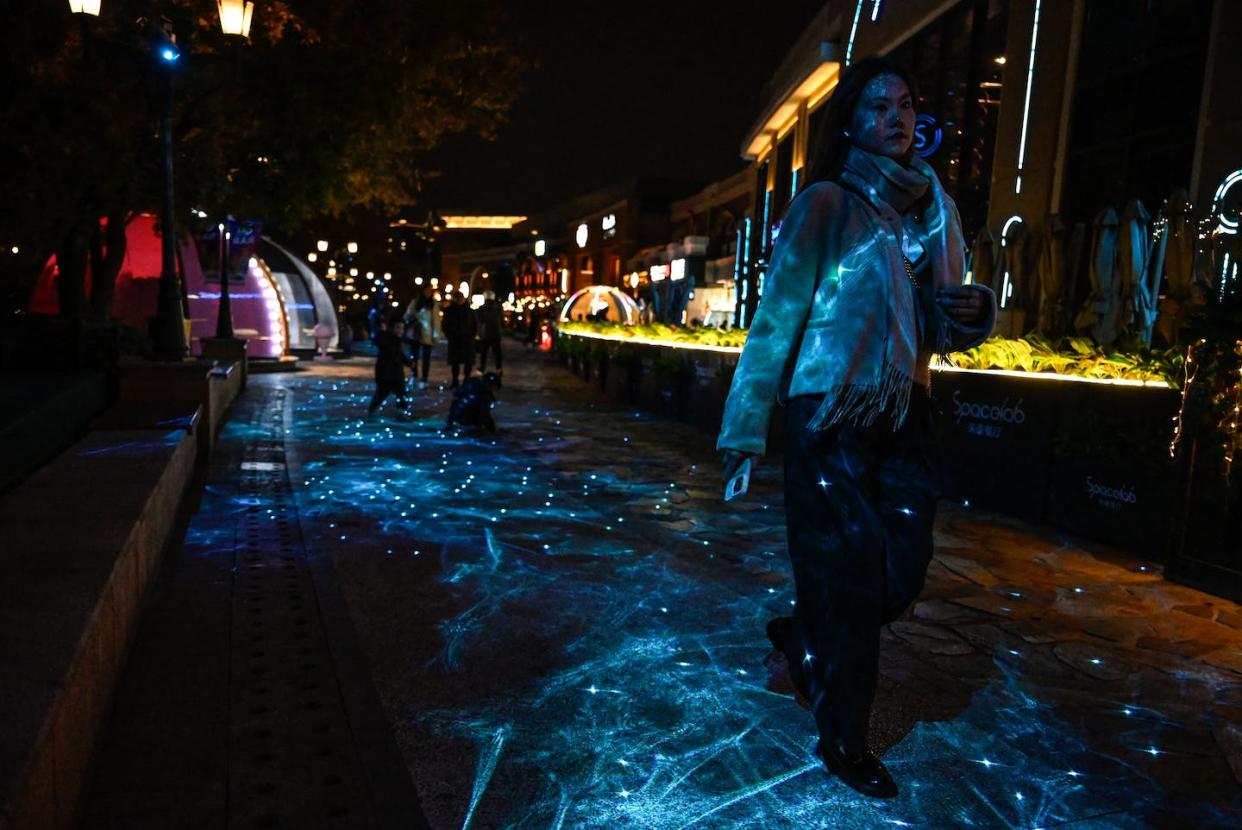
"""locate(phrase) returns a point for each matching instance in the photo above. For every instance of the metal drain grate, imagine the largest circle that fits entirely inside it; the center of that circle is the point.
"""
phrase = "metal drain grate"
(291, 760)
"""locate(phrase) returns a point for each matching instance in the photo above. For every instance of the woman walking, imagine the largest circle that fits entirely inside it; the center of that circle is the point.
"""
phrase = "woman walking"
(865, 286)
(422, 317)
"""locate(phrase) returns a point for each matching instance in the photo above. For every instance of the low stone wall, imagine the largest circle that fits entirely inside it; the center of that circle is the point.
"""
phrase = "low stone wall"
(42, 413)
(82, 537)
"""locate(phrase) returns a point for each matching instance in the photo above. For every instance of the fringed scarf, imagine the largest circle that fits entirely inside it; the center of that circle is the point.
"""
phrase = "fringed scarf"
(880, 345)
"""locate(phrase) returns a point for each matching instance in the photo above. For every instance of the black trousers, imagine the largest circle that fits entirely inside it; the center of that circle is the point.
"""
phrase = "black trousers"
(385, 387)
(859, 507)
(491, 344)
(421, 353)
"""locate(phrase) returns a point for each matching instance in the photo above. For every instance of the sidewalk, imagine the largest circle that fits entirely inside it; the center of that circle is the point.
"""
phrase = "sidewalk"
(564, 625)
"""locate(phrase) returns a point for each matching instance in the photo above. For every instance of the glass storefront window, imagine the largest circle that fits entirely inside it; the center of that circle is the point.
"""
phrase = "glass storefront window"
(954, 62)
(1136, 103)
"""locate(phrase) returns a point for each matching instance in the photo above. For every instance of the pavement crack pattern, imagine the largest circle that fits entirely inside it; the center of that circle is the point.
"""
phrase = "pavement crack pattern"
(565, 625)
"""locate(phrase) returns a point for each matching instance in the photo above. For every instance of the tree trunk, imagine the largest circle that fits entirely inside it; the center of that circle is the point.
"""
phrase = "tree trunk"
(107, 255)
(71, 258)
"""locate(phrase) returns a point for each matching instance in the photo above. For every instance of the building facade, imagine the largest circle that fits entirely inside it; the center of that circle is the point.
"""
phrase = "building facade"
(1034, 113)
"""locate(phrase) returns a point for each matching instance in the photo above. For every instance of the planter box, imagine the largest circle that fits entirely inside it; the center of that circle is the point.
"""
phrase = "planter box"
(996, 440)
(1111, 479)
(708, 378)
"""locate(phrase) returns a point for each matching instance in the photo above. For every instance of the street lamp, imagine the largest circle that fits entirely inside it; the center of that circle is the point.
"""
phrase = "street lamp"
(235, 25)
(169, 329)
(235, 17)
(322, 245)
(352, 247)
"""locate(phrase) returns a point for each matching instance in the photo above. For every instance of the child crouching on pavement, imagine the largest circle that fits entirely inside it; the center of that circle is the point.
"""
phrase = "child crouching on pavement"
(473, 401)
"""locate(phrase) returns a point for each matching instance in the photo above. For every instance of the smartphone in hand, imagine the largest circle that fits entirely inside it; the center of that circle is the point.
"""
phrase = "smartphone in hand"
(740, 482)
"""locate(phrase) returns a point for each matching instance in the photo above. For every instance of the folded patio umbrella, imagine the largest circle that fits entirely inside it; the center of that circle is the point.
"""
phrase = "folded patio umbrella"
(1051, 277)
(1147, 288)
(1098, 316)
(1180, 246)
(1133, 257)
(983, 259)
(1013, 274)
(1076, 287)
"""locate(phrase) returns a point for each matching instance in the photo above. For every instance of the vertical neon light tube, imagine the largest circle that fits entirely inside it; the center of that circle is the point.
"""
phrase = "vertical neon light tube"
(767, 212)
(1006, 284)
(746, 243)
(875, 11)
(1026, 107)
(849, 50)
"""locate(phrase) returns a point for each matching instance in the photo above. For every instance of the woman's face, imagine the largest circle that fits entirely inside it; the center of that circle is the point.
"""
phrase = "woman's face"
(883, 120)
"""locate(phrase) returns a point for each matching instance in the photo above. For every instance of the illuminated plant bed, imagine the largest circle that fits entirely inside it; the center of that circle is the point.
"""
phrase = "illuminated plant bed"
(1080, 452)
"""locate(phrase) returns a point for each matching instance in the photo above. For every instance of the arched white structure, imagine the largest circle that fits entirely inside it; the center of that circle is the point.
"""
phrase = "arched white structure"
(585, 302)
(305, 300)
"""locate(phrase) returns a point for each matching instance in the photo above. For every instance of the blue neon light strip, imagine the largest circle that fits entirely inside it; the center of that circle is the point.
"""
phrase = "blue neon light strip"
(849, 50)
(1026, 107)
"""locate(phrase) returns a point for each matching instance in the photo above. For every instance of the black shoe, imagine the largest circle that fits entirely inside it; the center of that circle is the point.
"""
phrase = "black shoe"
(784, 638)
(860, 770)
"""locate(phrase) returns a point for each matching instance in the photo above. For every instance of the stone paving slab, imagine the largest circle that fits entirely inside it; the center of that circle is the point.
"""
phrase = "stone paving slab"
(565, 625)
(243, 705)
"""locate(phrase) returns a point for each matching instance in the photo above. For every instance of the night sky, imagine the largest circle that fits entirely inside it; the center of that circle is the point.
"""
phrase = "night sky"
(624, 90)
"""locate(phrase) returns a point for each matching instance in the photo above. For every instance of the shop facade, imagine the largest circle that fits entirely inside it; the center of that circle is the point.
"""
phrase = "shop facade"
(1036, 114)
(1080, 140)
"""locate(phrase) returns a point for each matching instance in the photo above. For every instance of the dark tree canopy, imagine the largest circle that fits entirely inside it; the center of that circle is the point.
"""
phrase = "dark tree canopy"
(331, 106)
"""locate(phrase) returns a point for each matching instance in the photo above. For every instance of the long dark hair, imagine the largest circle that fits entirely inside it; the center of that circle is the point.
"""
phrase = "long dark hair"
(829, 145)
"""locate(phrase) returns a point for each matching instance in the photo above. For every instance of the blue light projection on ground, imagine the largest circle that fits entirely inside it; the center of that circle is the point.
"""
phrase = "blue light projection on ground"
(567, 631)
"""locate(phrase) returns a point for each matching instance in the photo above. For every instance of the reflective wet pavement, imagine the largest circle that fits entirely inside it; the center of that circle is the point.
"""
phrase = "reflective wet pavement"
(564, 624)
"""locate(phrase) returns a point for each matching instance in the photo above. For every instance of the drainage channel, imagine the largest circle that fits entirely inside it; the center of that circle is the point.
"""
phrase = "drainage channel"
(292, 759)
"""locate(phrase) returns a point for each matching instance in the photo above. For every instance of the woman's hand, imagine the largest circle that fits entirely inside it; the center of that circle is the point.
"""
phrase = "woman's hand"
(964, 304)
(730, 461)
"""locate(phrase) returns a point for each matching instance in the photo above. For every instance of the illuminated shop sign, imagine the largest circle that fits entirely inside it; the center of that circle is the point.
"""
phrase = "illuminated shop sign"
(659, 272)
(677, 269)
(1226, 223)
(927, 136)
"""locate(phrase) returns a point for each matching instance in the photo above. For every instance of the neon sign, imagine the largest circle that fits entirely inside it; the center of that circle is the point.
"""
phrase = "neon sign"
(1225, 222)
(927, 135)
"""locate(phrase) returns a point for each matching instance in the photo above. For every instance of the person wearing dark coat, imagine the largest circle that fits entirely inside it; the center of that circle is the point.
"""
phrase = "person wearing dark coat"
(491, 324)
(473, 401)
(390, 363)
(460, 326)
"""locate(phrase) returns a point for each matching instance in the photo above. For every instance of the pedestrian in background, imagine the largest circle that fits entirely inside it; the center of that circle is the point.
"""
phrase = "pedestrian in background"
(491, 326)
(422, 319)
(865, 286)
(460, 328)
(390, 363)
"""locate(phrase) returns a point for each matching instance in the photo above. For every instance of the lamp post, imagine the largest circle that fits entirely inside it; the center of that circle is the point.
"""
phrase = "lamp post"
(224, 311)
(235, 24)
(168, 329)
